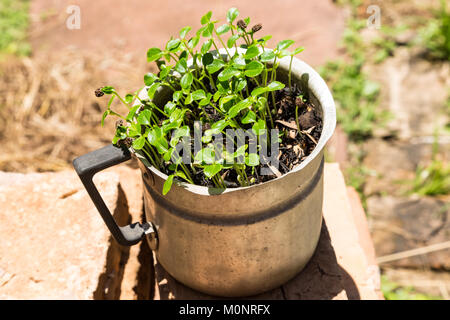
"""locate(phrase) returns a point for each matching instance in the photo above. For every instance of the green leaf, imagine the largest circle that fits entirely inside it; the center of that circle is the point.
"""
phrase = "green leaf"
(139, 143)
(121, 133)
(179, 133)
(252, 52)
(206, 155)
(207, 32)
(168, 154)
(198, 95)
(217, 96)
(241, 85)
(169, 107)
(225, 100)
(284, 44)
(105, 114)
(132, 112)
(151, 91)
(129, 98)
(223, 29)
(298, 50)
(215, 66)
(267, 56)
(154, 54)
(234, 110)
(259, 127)
(240, 151)
(216, 128)
(232, 14)
(134, 130)
(186, 80)
(177, 114)
(239, 63)
(265, 39)
(252, 160)
(184, 54)
(157, 139)
(149, 78)
(254, 68)
(189, 99)
(211, 170)
(207, 138)
(173, 45)
(275, 85)
(108, 90)
(284, 53)
(206, 100)
(181, 175)
(184, 31)
(193, 42)
(206, 18)
(165, 70)
(168, 184)
(144, 117)
(171, 125)
(220, 125)
(228, 73)
(249, 117)
(206, 46)
(232, 40)
(207, 59)
(181, 66)
(256, 92)
(177, 95)
(262, 102)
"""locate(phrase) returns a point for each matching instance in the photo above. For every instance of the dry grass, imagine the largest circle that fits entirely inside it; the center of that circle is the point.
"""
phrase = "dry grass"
(48, 112)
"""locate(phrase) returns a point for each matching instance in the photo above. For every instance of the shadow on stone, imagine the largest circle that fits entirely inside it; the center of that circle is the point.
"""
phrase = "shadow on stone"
(321, 279)
(145, 285)
(109, 283)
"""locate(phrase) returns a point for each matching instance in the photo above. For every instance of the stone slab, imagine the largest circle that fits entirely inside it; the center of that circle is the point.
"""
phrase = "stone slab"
(54, 243)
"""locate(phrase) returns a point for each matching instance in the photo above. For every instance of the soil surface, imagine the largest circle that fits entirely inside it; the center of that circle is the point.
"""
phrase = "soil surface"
(298, 140)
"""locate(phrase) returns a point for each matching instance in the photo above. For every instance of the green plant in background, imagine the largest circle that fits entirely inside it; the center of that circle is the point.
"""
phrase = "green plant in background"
(233, 90)
(433, 179)
(436, 34)
(355, 94)
(385, 42)
(14, 21)
(356, 97)
(394, 291)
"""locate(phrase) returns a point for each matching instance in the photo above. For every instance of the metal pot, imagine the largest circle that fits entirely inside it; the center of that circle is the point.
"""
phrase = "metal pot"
(239, 242)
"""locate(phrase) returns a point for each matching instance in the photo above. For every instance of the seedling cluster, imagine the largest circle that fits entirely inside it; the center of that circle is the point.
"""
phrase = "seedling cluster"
(237, 89)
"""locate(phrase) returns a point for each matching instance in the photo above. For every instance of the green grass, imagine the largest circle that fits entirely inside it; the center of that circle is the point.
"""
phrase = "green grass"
(435, 35)
(433, 179)
(393, 291)
(385, 44)
(355, 94)
(14, 22)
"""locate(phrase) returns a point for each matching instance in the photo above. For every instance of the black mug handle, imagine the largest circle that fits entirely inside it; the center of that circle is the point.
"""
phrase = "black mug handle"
(86, 167)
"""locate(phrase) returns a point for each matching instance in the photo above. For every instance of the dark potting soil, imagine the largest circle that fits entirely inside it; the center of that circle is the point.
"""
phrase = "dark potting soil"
(294, 146)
